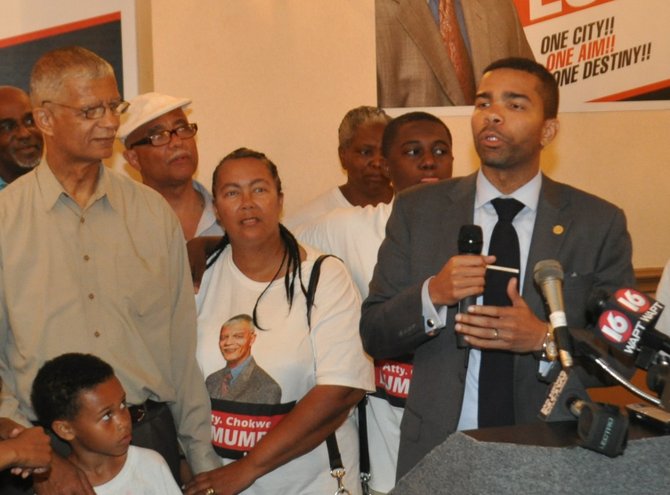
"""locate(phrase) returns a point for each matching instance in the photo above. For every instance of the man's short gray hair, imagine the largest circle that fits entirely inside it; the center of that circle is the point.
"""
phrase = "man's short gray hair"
(52, 68)
(241, 318)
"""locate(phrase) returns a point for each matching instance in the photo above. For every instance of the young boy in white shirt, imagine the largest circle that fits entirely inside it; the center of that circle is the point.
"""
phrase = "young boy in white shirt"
(81, 400)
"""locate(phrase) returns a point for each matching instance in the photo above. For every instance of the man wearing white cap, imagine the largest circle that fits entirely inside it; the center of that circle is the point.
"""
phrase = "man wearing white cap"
(160, 146)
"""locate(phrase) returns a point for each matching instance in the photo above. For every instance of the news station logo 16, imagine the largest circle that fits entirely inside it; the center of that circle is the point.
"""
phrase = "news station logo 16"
(615, 326)
(632, 300)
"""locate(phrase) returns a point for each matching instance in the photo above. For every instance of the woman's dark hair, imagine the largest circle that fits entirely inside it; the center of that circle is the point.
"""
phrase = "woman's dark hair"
(291, 247)
(248, 153)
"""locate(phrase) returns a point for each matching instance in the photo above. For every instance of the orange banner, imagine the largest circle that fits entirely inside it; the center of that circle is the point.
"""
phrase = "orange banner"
(532, 11)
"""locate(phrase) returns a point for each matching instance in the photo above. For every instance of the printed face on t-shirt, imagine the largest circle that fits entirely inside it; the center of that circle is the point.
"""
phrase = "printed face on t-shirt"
(235, 342)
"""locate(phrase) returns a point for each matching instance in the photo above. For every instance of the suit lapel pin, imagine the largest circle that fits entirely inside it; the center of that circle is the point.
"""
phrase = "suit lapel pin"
(558, 229)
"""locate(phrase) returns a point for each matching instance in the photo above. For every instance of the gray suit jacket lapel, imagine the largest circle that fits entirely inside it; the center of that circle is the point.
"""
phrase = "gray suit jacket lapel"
(551, 226)
(462, 197)
(460, 212)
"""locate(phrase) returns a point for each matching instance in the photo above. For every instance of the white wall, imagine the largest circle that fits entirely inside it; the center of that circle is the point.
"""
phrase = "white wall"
(278, 75)
(268, 77)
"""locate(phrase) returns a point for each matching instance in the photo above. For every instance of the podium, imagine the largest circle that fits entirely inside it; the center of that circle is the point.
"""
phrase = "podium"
(540, 458)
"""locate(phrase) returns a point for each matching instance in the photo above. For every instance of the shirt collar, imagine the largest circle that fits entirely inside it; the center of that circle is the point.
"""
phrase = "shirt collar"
(52, 189)
(208, 217)
(237, 370)
(528, 194)
(201, 189)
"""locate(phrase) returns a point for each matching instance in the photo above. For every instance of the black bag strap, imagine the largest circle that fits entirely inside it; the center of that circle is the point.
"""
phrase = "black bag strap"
(334, 456)
(364, 458)
(331, 442)
(313, 282)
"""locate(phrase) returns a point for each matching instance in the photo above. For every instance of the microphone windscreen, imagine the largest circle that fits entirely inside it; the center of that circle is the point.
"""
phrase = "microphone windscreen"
(547, 270)
(470, 239)
(603, 428)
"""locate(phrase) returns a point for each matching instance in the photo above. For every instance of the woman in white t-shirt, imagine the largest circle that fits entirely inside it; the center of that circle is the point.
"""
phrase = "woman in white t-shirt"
(253, 333)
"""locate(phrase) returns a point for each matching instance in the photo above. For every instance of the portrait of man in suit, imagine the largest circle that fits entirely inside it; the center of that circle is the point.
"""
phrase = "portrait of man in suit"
(432, 52)
(241, 380)
(501, 377)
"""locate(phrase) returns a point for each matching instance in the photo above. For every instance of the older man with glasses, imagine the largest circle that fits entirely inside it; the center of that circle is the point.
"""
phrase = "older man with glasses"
(160, 145)
(92, 261)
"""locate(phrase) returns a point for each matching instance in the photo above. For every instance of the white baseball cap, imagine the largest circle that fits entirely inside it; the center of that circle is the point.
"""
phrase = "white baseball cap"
(146, 107)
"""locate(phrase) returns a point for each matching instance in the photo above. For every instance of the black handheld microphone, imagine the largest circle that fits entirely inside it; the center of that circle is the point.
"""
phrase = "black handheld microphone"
(548, 275)
(625, 321)
(470, 241)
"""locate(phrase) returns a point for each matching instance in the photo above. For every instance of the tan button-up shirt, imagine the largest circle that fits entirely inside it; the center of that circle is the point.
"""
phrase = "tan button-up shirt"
(110, 279)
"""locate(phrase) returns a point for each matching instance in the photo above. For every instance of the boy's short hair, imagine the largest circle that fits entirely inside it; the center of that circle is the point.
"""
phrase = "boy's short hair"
(56, 388)
(392, 128)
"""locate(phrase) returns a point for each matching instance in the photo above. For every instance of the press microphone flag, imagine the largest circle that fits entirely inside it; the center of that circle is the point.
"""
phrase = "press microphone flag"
(600, 427)
(626, 320)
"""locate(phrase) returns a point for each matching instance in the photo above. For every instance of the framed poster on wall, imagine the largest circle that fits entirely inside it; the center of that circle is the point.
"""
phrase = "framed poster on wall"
(29, 28)
(605, 54)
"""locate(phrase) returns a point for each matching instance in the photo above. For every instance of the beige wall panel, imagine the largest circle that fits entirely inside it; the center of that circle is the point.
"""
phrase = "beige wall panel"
(278, 75)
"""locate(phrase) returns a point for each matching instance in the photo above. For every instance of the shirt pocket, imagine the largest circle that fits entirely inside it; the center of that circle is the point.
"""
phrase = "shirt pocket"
(143, 284)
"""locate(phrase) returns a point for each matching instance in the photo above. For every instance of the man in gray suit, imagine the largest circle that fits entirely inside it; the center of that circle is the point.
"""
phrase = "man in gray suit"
(242, 380)
(419, 277)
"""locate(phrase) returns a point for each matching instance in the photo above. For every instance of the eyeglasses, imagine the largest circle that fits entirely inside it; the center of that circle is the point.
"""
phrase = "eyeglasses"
(186, 131)
(96, 112)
